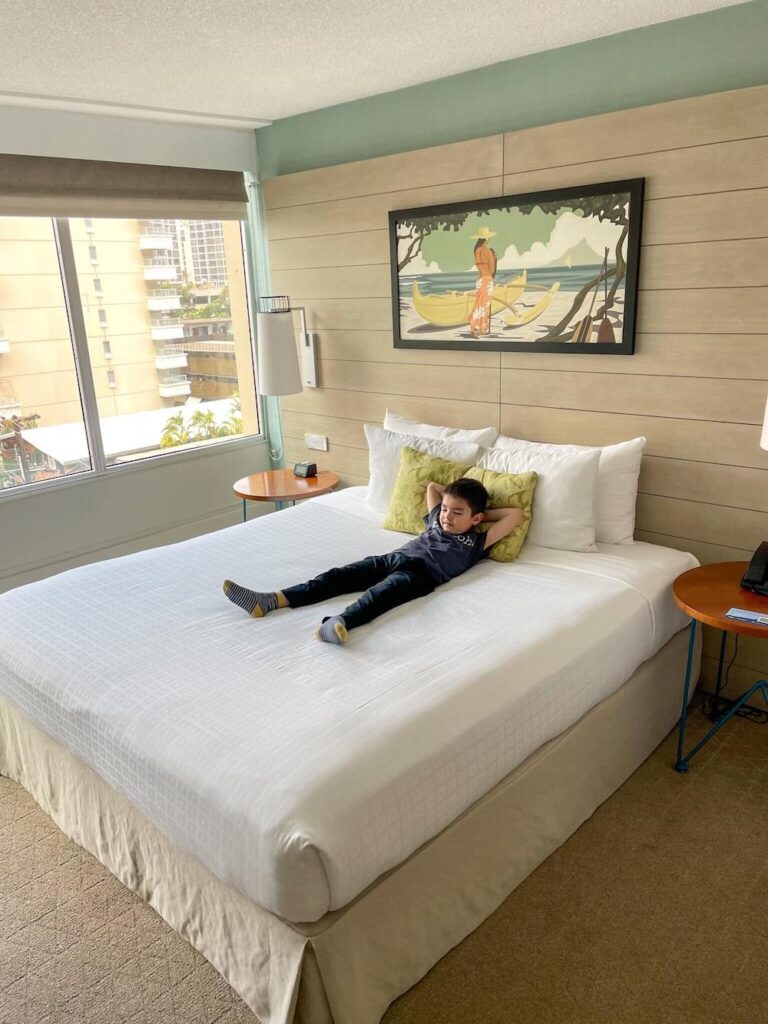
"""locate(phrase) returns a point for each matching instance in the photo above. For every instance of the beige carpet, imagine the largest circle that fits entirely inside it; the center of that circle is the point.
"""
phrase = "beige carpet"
(656, 910)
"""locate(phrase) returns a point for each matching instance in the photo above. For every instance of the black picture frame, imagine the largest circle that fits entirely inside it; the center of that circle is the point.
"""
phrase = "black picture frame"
(528, 303)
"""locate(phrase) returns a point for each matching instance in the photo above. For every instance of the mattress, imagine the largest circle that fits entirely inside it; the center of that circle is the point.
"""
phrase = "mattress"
(298, 772)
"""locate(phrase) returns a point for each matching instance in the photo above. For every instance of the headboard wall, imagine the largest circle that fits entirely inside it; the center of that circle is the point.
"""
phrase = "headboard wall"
(696, 386)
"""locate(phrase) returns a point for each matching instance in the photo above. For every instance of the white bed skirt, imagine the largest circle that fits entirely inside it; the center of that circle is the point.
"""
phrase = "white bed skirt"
(350, 965)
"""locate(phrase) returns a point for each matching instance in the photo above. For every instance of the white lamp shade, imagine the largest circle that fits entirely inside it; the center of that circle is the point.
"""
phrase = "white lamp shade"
(764, 435)
(278, 360)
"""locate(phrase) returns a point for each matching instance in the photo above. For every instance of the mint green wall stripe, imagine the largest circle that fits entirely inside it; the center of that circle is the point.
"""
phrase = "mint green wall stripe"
(692, 56)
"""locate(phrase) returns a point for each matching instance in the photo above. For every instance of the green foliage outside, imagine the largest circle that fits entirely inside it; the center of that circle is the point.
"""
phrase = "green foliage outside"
(220, 306)
(201, 426)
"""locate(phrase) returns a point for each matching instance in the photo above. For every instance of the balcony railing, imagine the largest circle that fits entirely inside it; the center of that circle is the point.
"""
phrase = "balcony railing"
(160, 272)
(170, 359)
(160, 300)
(174, 385)
(166, 328)
(161, 242)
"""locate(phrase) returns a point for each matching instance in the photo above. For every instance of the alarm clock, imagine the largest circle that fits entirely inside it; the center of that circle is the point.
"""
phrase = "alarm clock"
(305, 469)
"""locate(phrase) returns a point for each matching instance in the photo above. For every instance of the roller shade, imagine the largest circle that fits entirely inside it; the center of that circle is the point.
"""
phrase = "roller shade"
(32, 186)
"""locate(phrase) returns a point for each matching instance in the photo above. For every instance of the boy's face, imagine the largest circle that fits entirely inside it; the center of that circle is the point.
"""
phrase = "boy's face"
(456, 516)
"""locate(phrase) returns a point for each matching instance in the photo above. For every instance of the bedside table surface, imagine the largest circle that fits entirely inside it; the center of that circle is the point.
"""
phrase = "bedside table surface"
(707, 592)
(282, 485)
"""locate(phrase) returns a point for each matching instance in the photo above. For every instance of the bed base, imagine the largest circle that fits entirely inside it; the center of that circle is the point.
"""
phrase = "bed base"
(350, 965)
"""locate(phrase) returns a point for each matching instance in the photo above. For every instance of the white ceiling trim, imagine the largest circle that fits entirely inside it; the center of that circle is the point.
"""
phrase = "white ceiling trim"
(135, 112)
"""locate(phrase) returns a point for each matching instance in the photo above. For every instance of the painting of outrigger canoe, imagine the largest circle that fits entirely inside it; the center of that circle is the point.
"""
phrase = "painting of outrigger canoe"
(551, 271)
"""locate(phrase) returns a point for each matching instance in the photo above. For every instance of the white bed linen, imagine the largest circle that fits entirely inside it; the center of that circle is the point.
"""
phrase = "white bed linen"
(299, 772)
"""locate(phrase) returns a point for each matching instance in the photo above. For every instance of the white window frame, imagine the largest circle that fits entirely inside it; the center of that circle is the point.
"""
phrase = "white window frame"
(82, 361)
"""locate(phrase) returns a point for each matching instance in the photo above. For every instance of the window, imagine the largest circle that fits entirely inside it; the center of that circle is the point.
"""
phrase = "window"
(139, 400)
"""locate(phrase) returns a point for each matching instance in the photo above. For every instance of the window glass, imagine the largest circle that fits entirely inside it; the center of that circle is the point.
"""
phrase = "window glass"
(168, 332)
(42, 435)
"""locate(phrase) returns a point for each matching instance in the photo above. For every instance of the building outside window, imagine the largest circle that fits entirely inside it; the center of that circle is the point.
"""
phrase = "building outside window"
(157, 312)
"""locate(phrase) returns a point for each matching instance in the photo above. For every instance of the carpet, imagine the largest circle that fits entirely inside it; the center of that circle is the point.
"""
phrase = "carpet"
(654, 912)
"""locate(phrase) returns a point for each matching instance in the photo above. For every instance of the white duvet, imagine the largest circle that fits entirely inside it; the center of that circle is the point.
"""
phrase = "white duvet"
(297, 771)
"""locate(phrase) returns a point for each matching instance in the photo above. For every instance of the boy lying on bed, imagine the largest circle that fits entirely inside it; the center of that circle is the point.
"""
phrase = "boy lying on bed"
(449, 545)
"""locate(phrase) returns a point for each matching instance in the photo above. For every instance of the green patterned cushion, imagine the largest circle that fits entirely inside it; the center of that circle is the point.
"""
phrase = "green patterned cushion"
(508, 490)
(408, 504)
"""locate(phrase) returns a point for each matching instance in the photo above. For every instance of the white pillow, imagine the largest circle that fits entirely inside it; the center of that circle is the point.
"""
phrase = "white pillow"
(617, 477)
(384, 447)
(564, 499)
(485, 436)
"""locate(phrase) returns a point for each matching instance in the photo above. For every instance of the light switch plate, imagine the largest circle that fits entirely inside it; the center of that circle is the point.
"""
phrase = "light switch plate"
(317, 442)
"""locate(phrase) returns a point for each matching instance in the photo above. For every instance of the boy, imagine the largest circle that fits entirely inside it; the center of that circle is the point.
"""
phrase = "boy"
(449, 545)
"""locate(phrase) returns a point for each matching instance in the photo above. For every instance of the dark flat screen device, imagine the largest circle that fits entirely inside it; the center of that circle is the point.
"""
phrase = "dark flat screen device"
(756, 576)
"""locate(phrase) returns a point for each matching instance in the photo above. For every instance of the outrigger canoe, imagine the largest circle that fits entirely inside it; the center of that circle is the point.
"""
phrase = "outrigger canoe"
(519, 319)
(451, 309)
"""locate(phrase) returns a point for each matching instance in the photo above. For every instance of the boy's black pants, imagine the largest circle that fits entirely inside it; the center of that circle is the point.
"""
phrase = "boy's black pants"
(388, 581)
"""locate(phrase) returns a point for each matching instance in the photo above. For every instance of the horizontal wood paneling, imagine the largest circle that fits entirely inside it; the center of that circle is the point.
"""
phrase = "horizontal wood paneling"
(694, 398)
(735, 486)
(705, 311)
(348, 249)
(474, 384)
(720, 167)
(695, 121)
(344, 461)
(723, 525)
(367, 213)
(339, 431)
(685, 355)
(704, 218)
(695, 440)
(376, 346)
(740, 679)
(458, 161)
(372, 406)
(697, 384)
(751, 649)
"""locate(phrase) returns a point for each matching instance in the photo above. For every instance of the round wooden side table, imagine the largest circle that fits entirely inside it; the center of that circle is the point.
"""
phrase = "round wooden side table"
(706, 594)
(280, 485)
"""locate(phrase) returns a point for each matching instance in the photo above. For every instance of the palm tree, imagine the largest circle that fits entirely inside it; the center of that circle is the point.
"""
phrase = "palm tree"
(174, 432)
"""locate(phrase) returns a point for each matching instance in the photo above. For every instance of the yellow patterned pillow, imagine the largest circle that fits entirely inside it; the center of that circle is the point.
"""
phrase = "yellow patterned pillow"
(508, 490)
(408, 504)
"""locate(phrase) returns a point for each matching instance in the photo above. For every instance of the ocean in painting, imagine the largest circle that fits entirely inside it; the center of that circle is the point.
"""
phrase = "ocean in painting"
(571, 279)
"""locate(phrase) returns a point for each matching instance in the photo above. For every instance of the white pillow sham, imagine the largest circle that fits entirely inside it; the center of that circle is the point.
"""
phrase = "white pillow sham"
(485, 436)
(617, 478)
(564, 500)
(384, 447)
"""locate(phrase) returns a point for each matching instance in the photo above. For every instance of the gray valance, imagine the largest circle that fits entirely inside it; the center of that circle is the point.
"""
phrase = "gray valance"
(33, 186)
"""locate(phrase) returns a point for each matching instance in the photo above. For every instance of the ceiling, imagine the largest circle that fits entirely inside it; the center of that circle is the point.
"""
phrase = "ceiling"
(244, 62)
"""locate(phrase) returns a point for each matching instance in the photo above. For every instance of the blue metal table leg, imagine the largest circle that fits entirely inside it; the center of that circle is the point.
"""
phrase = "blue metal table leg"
(245, 514)
(682, 762)
(719, 684)
(761, 685)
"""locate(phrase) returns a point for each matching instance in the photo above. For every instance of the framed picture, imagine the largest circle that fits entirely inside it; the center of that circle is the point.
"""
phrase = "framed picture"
(551, 271)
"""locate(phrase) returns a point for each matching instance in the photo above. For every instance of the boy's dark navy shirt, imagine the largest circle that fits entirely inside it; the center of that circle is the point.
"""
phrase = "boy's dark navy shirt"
(445, 555)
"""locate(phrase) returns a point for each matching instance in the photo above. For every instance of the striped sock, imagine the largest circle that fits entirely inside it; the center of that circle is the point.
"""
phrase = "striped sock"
(332, 630)
(252, 601)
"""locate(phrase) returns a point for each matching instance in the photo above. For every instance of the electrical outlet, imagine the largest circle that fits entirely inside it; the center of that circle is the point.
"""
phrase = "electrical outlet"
(318, 442)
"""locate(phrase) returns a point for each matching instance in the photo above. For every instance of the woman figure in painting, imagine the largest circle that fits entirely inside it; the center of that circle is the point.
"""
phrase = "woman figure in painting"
(485, 261)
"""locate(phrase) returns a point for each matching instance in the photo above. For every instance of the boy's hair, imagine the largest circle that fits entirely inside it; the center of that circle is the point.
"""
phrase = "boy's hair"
(471, 491)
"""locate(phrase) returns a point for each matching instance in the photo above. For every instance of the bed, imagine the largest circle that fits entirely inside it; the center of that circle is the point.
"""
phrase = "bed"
(324, 823)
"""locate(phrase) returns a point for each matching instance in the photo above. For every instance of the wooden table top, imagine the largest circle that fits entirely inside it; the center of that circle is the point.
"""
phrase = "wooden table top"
(707, 592)
(282, 485)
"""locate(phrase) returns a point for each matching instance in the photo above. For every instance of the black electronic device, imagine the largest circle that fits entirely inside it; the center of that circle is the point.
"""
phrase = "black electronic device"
(756, 576)
(305, 469)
